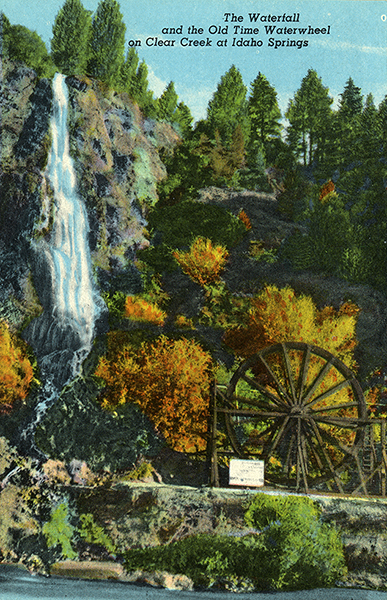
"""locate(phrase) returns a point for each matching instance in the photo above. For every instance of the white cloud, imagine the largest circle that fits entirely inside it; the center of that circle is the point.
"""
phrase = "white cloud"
(380, 50)
(156, 84)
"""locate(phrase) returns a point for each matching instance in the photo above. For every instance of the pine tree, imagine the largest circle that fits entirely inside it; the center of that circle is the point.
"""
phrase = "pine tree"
(309, 113)
(382, 116)
(167, 103)
(129, 71)
(107, 43)
(351, 100)
(140, 92)
(228, 108)
(183, 117)
(70, 41)
(264, 111)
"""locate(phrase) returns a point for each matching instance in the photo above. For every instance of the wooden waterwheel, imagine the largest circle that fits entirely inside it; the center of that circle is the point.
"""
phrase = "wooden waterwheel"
(298, 408)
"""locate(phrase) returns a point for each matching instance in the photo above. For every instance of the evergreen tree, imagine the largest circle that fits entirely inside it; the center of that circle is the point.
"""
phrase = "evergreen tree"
(107, 43)
(167, 103)
(264, 111)
(4, 32)
(20, 44)
(382, 116)
(351, 100)
(183, 117)
(228, 108)
(346, 128)
(129, 71)
(70, 41)
(309, 113)
(140, 93)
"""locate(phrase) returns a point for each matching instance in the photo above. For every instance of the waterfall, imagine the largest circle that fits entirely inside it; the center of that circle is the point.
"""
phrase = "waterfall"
(67, 253)
(62, 336)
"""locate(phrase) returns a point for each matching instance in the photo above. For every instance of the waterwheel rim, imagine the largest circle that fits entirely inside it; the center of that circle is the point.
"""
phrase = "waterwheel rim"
(303, 415)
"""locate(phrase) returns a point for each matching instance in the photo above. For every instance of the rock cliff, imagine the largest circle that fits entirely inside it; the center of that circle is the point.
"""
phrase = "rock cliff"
(116, 156)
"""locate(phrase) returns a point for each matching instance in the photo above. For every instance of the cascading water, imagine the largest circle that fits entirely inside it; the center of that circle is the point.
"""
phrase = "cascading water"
(62, 336)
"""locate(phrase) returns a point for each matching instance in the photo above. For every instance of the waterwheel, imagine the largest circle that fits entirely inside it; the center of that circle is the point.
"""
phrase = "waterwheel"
(300, 409)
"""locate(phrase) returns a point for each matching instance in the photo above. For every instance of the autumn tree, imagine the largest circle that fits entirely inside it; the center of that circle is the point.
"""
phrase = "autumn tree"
(309, 114)
(70, 41)
(16, 371)
(107, 43)
(168, 379)
(279, 315)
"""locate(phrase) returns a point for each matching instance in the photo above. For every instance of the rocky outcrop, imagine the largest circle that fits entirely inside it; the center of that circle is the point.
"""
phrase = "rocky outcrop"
(137, 514)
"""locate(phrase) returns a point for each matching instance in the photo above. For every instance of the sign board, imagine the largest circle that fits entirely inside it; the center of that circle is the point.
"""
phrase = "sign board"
(246, 472)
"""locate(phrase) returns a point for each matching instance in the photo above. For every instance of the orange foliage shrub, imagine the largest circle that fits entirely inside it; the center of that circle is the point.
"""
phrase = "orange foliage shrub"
(203, 262)
(16, 371)
(278, 315)
(245, 219)
(326, 189)
(170, 381)
(138, 309)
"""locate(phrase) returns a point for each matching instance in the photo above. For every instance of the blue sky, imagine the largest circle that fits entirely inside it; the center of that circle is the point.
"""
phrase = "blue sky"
(355, 46)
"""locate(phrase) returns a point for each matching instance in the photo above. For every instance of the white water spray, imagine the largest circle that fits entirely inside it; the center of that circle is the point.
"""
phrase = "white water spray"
(62, 336)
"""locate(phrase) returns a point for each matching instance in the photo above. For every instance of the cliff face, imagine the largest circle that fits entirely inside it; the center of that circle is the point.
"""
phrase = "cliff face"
(116, 157)
(115, 152)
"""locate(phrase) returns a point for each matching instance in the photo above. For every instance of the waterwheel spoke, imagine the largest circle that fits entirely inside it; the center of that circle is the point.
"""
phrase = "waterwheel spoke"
(316, 455)
(320, 377)
(335, 407)
(289, 374)
(276, 440)
(338, 422)
(280, 387)
(304, 372)
(335, 441)
(301, 464)
(304, 455)
(333, 390)
(275, 399)
(288, 459)
(260, 404)
(326, 456)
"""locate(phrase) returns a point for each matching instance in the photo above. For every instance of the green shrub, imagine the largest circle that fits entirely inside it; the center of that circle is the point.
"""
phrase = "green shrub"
(93, 533)
(303, 551)
(287, 547)
(58, 531)
(204, 558)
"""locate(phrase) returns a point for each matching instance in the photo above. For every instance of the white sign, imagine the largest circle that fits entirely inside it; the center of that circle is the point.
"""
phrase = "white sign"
(246, 472)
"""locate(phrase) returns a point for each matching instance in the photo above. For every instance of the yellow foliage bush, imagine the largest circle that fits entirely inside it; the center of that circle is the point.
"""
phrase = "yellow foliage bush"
(203, 262)
(278, 315)
(168, 379)
(16, 371)
(138, 309)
